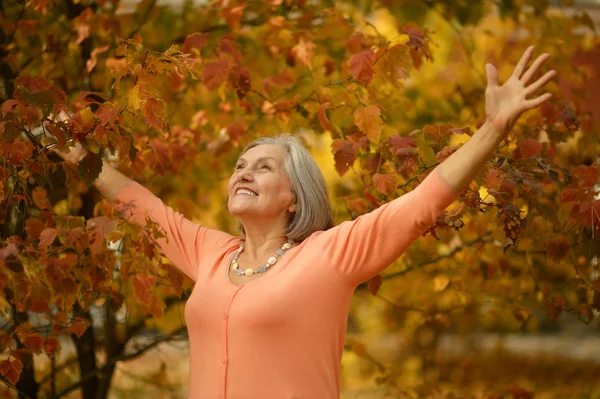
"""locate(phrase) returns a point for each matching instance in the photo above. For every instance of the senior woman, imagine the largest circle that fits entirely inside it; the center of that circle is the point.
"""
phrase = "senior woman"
(267, 315)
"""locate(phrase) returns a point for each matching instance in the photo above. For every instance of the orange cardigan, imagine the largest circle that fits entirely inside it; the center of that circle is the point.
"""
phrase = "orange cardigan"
(282, 336)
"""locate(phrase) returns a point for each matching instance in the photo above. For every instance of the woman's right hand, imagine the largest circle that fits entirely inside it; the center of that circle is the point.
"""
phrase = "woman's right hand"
(77, 152)
(74, 155)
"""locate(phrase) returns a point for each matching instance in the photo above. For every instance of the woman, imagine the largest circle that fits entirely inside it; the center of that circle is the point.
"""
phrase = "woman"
(267, 315)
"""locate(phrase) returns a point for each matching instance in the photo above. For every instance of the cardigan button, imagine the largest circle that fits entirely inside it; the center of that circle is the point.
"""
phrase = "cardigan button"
(224, 360)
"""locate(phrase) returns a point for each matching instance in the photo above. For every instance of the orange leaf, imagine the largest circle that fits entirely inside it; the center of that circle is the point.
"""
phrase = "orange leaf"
(51, 345)
(47, 236)
(16, 152)
(325, 124)
(303, 52)
(236, 131)
(34, 228)
(11, 369)
(142, 284)
(39, 198)
(361, 66)
(34, 342)
(374, 284)
(282, 80)
(155, 111)
(369, 121)
(385, 184)
(78, 326)
(215, 73)
(371, 199)
(233, 15)
(194, 42)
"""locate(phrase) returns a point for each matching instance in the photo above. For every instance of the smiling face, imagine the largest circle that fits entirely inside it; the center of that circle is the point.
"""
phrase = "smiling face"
(259, 188)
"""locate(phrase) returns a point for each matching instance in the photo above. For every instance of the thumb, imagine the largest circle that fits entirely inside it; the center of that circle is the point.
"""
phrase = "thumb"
(492, 75)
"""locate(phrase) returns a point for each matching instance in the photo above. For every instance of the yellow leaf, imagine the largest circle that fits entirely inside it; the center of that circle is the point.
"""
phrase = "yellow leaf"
(133, 98)
(440, 283)
(368, 120)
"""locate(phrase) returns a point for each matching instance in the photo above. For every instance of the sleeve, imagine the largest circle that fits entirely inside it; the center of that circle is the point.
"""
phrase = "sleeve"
(186, 242)
(361, 248)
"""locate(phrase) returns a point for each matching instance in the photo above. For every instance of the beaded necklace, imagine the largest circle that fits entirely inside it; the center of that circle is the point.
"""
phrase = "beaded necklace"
(270, 262)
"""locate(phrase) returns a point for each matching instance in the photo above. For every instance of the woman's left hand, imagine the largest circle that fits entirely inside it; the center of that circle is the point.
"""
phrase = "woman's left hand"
(505, 104)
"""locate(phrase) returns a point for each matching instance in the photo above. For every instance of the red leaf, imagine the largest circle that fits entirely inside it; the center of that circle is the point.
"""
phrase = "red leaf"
(11, 369)
(78, 326)
(233, 15)
(215, 73)
(325, 124)
(402, 145)
(385, 184)
(418, 40)
(107, 113)
(155, 111)
(34, 228)
(194, 42)
(361, 66)
(445, 153)
(374, 283)
(47, 236)
(99, 228)
(528, 148)
(16, 152)
(344, 155)
(34, 342)
(236, 131)
(51, 345)
(142, 284)
(8, 105)
(371, 199)
(241, 79)
(39, 198)
(282, 80)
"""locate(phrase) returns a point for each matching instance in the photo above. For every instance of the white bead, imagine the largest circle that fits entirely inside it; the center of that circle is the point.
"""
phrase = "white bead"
(272, 260)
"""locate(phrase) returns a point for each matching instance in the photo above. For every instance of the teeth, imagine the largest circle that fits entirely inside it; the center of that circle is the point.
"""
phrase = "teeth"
(243, 191)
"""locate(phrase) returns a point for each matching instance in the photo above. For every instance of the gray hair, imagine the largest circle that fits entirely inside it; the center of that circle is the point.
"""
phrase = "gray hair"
(313, 209)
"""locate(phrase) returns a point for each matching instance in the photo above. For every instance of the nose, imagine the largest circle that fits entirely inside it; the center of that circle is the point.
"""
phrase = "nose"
(245, 175)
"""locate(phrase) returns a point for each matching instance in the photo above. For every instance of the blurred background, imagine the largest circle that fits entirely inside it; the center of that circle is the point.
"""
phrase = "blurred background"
(500, 299)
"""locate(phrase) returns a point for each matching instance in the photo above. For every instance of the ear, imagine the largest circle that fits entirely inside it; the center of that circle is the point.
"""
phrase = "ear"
(293, 208)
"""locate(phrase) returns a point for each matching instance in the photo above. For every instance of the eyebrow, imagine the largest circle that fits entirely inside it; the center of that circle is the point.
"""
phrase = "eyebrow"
(259, 159)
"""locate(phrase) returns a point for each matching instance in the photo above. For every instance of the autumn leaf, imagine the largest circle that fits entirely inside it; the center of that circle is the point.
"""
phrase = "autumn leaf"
(16, 152)
(34, 228)
(325, 124)
(51, 345)
(91, 63)
(402, 145)
(78, 326)
(344, 154)
(361, 66)
(385, 183)
(233, 15)
(368, 120)
(34, 342)
(215, 73)
(47, 237)
(194, 42)
(90, 167)
(155, 112)
(374, 284)
(303, 52)
(282, 80)
(39, 198)
(11, 369)
(394, 63)
(142, 284)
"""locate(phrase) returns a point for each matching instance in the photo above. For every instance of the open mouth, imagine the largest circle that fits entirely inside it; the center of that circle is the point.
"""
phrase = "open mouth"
(245, 191)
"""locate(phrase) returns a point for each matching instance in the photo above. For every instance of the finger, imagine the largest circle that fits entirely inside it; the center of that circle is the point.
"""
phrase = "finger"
(541, 82)
(536, 102)
(523, 62)
(492, 75)
(534, 67)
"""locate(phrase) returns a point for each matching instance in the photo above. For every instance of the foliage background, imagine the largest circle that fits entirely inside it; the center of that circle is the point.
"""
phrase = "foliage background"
(381, 92)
